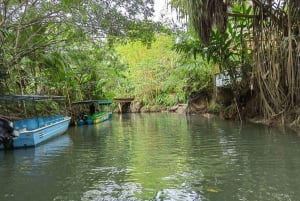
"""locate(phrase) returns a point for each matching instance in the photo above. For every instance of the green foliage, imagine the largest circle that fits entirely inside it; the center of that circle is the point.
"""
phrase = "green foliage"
(57, 72)
(97, 71)
(196, 71)
(228, 49)
(215, 108)
(64, 47)
(115, 20)
(151, 76)
(197, 75)
(188, 44)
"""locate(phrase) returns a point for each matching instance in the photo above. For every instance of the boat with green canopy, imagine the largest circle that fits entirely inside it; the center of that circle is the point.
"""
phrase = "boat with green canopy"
(92, 112)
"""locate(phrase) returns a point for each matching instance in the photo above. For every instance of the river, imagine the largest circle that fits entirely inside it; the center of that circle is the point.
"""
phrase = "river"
(157, 157)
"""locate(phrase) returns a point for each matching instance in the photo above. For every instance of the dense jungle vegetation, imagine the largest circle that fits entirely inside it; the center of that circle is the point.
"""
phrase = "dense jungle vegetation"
(108, 49)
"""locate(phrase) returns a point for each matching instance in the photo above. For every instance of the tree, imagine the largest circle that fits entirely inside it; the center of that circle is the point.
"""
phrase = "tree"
(31, 29)
(152, 75)
(274, 45)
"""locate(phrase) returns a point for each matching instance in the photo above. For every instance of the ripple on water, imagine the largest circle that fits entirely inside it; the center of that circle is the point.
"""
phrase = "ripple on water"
(110, 190)
(177, 195)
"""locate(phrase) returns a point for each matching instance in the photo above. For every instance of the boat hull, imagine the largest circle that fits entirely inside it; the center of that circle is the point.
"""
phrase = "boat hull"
(95, 119)
(32, 136)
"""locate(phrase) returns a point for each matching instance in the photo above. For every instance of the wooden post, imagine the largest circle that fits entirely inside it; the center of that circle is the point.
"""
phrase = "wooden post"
(120, 107)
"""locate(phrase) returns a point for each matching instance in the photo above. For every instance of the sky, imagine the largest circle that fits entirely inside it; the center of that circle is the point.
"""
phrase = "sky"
(159, 6)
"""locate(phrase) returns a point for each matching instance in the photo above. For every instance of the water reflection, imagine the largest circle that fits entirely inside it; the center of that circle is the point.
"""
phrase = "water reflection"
(38, 155)
(23, 172)
(247, 162)
(159, 157)
(110, 189)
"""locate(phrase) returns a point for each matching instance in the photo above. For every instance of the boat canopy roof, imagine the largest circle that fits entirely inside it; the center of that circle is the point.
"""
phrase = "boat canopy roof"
(18, 97)
(100, 102)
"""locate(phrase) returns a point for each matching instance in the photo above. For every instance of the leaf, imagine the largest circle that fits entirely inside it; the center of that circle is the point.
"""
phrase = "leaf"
(212, 190)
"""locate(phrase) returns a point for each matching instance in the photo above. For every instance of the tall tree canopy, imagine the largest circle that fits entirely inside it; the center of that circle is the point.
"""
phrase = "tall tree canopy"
(31, 29)
(274, 41)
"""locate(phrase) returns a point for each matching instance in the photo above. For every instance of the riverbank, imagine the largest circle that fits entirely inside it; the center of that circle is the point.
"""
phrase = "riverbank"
(208, 108)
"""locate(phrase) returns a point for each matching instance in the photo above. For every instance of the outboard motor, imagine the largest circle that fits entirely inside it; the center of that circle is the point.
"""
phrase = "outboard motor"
(6, 133)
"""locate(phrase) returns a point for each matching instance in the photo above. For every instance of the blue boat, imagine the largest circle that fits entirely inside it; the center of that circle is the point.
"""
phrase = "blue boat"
(30, 132)
(98, 111)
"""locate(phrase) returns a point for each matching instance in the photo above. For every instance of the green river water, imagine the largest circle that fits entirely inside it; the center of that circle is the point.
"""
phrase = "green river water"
(157, 157)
